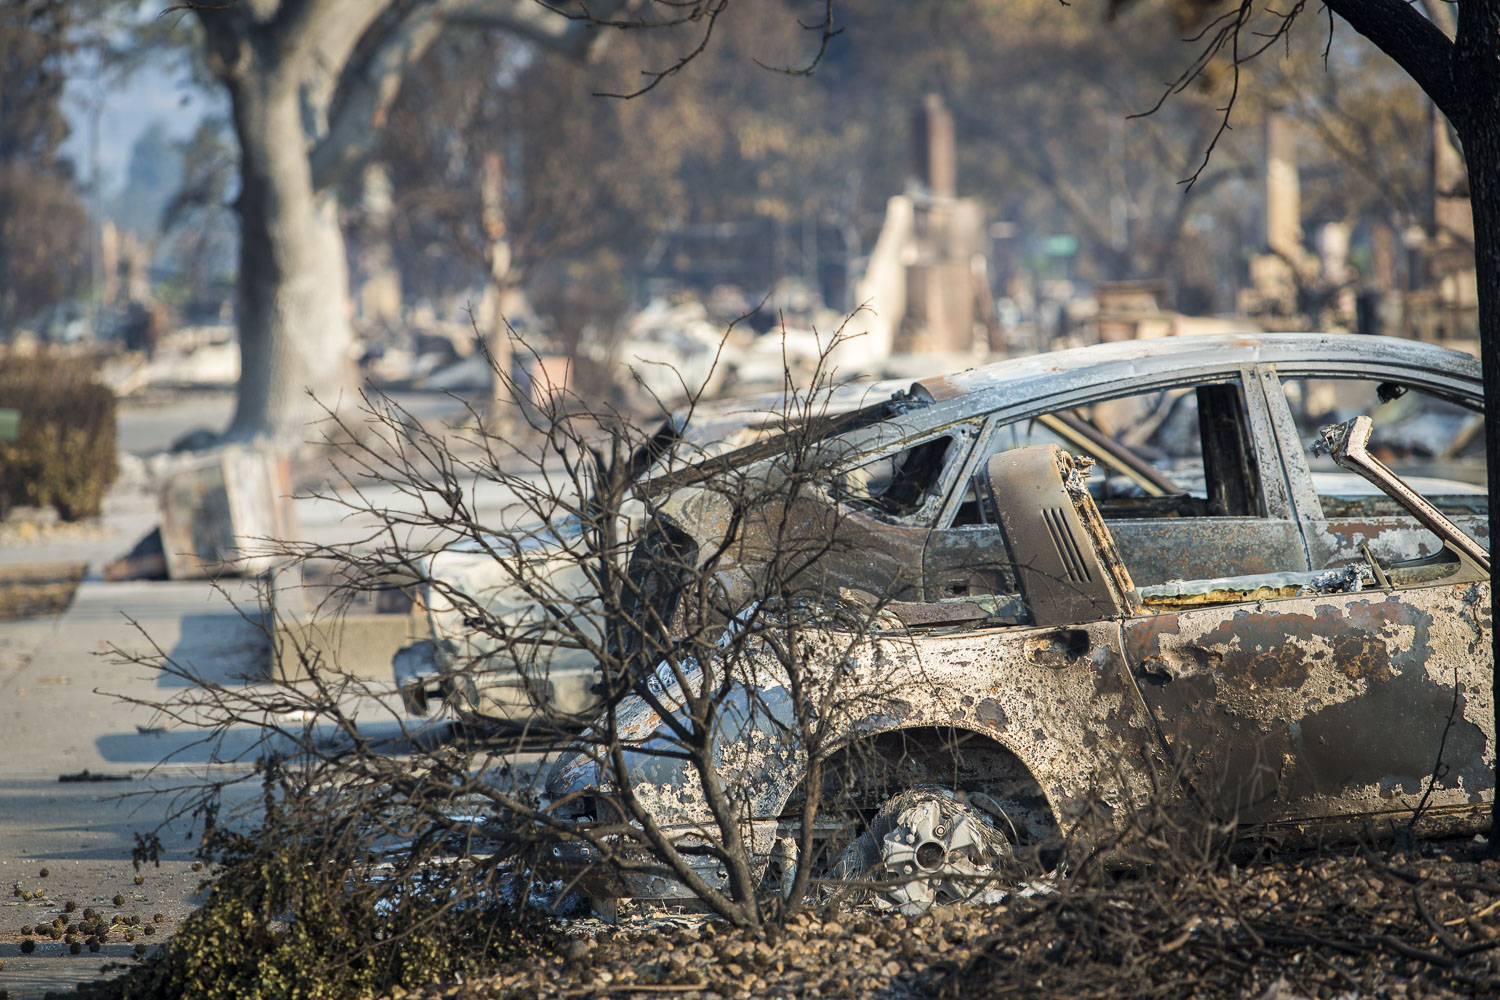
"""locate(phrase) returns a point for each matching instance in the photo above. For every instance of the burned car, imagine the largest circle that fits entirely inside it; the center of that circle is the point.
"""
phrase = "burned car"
(1202, 468)
(1293, 698)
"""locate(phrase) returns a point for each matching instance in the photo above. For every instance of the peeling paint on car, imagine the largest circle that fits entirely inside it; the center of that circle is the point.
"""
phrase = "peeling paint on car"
(1300, 702)
(915, 557)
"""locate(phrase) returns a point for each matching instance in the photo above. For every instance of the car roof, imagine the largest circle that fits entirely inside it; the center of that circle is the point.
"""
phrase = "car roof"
(1333, 354)
(717, 430)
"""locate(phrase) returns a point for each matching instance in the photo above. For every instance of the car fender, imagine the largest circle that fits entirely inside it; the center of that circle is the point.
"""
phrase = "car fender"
(1074, 722)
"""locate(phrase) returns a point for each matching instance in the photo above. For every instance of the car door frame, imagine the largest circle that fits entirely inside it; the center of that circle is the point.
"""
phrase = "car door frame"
(983, 542)
(1388, 536)
(901, 539)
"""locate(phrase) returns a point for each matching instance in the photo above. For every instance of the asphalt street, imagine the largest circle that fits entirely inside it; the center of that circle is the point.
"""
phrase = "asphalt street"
(89, 762)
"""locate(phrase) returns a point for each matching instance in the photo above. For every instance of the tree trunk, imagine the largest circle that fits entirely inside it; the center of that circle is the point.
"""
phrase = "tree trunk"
(283, 63)
(295, 334)
(1481, 141)
(1476, 119)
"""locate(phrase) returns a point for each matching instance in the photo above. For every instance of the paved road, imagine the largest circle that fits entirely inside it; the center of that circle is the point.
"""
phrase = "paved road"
(69, 705)
(151, 423)
(61, 714)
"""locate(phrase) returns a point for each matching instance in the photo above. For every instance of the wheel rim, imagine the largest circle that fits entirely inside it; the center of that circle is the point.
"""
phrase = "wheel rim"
(928, 847)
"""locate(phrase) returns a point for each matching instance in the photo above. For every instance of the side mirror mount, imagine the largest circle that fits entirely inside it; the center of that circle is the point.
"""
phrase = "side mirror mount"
(1347, 444)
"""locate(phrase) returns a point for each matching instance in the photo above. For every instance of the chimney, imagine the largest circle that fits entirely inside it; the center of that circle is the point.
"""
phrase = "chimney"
(1283, 196)
(935, 148)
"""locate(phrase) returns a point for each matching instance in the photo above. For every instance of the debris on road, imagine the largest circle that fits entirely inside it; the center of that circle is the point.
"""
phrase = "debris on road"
(220, 514)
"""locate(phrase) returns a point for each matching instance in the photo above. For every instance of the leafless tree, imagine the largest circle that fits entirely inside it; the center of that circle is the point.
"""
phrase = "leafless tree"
(720, 654)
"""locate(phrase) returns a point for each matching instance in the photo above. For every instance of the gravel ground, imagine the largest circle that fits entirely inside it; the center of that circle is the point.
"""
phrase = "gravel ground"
(112, 934)
(1342, 925)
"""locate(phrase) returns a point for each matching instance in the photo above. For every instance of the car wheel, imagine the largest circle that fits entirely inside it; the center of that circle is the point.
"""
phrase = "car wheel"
(929, 846)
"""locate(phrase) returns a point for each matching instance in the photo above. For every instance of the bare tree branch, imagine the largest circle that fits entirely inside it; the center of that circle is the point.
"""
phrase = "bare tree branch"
(705, 11)
(368, 88)
(1415, 44)
(826, 34)
(369, 84)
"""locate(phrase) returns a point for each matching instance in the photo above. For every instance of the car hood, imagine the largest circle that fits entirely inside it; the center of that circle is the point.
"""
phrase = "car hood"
(481, 578)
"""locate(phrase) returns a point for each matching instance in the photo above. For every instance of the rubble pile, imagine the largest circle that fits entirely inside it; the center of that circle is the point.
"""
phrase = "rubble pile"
(724, 342)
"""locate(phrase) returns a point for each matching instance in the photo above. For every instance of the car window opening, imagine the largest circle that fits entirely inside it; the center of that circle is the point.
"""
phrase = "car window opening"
(1231, 476)
(1166, 453)
(1434, 443)
(899, 484)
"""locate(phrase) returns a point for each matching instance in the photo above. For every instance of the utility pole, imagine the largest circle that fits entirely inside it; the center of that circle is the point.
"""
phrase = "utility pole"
(96, 204)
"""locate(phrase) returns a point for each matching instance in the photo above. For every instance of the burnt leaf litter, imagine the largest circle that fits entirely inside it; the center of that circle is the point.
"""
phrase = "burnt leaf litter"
(1347, 924)
(1330, 924)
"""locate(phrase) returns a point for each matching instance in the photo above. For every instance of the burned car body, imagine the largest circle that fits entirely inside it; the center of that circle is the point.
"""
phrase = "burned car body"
(1202, 469)
(1298, 701)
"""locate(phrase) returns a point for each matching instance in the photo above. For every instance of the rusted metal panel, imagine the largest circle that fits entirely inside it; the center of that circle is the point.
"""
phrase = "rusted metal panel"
(1327, 705)
(1065, 559)
(1338, 541)
(1300, 714)
(1163, 549)
(1298, 709)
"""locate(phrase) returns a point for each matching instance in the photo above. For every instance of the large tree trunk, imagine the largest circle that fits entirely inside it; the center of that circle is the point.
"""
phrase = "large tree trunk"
(295, 334)
(1477, 120)
(283, 63)
(1481, 141)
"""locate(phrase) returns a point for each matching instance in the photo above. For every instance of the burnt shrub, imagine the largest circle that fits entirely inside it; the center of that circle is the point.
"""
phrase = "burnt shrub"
(64, 457)
(313, 900)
